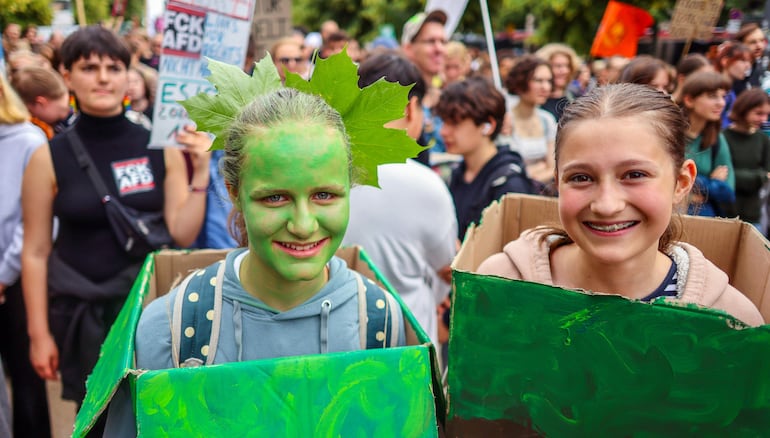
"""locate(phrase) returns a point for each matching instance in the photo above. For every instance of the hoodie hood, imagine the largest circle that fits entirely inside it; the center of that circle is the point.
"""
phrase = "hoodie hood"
(340, 288)
(527, 258)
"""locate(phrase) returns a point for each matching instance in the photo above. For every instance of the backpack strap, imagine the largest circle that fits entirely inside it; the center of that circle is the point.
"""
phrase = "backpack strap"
(196, 317)
(380, 314)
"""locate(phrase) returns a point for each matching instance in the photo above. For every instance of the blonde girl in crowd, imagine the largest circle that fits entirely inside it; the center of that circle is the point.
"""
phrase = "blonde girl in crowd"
(19, 141)
(622, 174)
(457, 65)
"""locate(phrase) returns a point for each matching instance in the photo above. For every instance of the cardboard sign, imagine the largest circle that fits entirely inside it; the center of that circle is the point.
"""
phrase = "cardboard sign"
(193, 31)
(272, 21)
(564, 363)
(694, 19)
(384, 392)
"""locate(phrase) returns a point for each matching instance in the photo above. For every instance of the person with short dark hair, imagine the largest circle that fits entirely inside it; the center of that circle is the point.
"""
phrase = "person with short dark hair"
(473, 112)
(75, 287)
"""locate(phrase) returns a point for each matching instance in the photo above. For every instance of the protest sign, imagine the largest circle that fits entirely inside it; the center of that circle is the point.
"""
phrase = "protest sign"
(272, 21)
(694, 19)
(193, 31)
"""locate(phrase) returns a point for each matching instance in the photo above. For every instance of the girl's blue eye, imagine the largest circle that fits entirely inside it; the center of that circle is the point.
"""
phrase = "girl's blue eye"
(579, 178)
(324, 196)
(273, 199)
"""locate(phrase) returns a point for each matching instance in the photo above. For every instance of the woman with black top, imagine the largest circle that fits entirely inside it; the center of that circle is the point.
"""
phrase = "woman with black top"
(83, 303)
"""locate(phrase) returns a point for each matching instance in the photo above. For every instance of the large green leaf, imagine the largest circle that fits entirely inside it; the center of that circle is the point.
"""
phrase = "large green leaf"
(235, 90)
(364, 111)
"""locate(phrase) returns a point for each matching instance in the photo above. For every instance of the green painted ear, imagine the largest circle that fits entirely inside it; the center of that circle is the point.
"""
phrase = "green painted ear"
(335, 79)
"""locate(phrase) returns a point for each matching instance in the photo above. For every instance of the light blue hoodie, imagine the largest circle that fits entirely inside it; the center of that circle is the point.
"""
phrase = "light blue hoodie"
(251, 330)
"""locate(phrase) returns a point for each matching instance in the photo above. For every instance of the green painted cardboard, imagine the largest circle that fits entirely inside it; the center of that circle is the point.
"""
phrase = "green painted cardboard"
(364, 393)
(527, 359)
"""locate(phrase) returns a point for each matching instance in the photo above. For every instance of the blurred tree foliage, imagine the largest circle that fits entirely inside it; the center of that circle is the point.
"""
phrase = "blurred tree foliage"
(99, 11)
(25, 12)
(570, 21)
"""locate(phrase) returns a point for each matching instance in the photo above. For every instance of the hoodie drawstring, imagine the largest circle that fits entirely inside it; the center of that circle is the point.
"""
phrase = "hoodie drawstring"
(238, 328)
(326, 308)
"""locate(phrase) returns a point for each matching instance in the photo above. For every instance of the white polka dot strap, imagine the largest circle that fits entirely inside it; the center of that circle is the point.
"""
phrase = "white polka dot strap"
(382, 315)
(197, 311)
(196, 317)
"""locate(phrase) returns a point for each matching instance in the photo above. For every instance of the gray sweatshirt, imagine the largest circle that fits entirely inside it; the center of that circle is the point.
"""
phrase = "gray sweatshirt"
(17, 143)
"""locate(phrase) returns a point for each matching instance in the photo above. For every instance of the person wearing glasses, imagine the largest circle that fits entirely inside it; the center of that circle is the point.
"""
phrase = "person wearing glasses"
(287, 56)
(423, 41)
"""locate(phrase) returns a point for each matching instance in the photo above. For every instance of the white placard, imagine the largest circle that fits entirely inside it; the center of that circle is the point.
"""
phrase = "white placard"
(193, 31)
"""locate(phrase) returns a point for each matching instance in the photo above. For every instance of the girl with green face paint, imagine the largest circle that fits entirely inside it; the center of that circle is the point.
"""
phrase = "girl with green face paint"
(293, 195)
(287, 168)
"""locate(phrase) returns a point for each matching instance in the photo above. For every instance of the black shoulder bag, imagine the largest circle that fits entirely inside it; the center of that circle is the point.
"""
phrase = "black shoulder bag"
(138, 232)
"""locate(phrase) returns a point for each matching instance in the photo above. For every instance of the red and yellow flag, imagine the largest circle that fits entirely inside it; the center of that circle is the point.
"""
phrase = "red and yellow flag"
(620, 29)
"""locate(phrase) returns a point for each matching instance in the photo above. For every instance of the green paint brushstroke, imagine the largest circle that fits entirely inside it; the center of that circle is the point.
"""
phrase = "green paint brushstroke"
(573, 364)
(117, 354)
(369, 393)
(341, 394)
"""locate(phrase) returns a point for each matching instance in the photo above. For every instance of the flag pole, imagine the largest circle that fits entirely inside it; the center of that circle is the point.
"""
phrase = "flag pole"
(81, 11)
(490, 44)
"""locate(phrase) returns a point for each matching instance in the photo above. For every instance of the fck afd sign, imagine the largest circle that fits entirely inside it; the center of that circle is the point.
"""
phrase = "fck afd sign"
(183, 31)
(194, 31)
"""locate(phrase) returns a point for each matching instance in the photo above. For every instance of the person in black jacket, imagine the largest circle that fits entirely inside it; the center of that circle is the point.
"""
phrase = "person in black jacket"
(472, 112)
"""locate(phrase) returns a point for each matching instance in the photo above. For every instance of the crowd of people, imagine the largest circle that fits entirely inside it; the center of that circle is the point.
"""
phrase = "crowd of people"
(64, 276)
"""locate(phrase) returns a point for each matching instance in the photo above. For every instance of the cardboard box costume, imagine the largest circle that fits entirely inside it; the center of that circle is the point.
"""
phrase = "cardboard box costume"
(566, 363)
(386, 392)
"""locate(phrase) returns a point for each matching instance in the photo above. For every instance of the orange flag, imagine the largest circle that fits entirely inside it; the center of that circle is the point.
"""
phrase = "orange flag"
(620, 29)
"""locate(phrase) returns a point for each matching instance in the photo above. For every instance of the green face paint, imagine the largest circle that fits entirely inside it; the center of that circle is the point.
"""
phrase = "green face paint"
(294, 198)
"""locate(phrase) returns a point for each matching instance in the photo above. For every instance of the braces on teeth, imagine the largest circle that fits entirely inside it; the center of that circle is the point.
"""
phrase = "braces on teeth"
(611, 228)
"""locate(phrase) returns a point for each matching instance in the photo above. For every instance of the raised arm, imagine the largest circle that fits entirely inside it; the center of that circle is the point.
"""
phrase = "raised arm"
(185, 205)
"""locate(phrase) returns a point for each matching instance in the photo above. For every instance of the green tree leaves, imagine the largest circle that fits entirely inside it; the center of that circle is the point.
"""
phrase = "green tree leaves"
(335, 79)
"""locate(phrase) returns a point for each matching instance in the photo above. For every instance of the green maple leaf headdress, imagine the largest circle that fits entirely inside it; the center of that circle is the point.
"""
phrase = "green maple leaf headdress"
(335, 79)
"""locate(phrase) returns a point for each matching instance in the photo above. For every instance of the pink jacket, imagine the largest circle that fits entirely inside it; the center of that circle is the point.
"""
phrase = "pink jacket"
(526, 258)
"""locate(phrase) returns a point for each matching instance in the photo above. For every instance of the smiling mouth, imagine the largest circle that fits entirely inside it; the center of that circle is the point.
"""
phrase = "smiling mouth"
(305, 247)
(611, 228)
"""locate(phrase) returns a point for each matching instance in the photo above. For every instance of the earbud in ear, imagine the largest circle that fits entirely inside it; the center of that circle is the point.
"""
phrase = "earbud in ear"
(486, 128)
